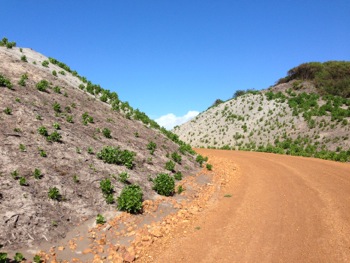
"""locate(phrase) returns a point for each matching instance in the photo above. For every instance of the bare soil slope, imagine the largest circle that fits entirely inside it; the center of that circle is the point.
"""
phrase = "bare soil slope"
(27, 215)
(275, 209)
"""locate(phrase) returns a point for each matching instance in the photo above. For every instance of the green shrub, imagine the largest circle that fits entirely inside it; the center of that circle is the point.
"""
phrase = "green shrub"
(56, 107)
(62, 72)
(22, 81)
(57, 89)
(37, 259)
(24, 58)
(114, 155)
(22, 181)
(100, 220)
(69, 118)
(176, 157)
(4, 82)
(56, 125)
(15, 175)
(7, 111)
(22, 147)
(209, 166)
(54, 72)
(151, 146)
(3, 257)
(76, 179)
(10, 45)
(106, 187)
(45, 63)
(130, 199)
(54, 194)
(200, 159)
(42, 153)
(54, 137)
(107, 133)
(81, 86)
(178, 176)
(123, 177)
(43, 131)
(18, 257)
(90, 150)
(3, 42)
(180, 189)
(87, 118)
(42, 85)
(37, 174)
(164, 184)
(170, 165)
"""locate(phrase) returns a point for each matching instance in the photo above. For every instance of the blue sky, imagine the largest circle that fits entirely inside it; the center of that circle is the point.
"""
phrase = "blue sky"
(172, 57)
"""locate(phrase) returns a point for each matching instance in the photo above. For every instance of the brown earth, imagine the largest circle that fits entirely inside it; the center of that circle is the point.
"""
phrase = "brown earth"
(275, 208)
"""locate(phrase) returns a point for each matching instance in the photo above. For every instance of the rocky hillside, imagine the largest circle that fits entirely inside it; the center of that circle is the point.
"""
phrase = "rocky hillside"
(298, 116)
(68, 147)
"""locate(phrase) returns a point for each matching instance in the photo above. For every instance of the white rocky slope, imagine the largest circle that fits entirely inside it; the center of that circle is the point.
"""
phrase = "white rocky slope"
(252, 119)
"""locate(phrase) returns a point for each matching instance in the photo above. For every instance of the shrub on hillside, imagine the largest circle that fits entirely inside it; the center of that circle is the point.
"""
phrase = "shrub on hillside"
(176, 157)
(164, 184)
(170, 165)
(151, 146)
(130, 199)
(42, 85)
(4, 82)
(114, 155)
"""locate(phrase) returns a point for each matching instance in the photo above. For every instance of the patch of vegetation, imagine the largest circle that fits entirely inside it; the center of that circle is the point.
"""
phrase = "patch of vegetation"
(176, 157)
(24, 58)
(43, 131)
(45, 63)
(180, 189)
(107, 133)
(331, 77)
(8, 111)
(22, 81)
(87, 118)
(151, 146)
(42, 85)
(164, 184)
(56, 107)
(209, 166)
(178, 176)
(130, 199)
(54, 194)
(56, 125)
(100, 220)
(200, 159)
(22, 181)
(37, 174)
(170, 165)
(5, 82)
(54, 137)
(18, 257)
(239, 93)
(37, 259)
(107, 190)
(123, 177)
(114, 155)
(54, 72)
(5, 43)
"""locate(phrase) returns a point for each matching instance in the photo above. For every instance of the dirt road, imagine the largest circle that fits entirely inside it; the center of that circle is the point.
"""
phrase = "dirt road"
(278, 209)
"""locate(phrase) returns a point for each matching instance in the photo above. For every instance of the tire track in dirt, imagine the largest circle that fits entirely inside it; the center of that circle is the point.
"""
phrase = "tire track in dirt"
(282, 209)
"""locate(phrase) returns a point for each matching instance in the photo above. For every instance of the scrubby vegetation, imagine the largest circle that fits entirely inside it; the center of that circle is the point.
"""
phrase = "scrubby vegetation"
(164, 184)
(114, 155)
(130, 199)
(331, 77)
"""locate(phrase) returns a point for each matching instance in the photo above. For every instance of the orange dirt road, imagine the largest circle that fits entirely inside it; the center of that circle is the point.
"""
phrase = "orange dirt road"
(282, 209)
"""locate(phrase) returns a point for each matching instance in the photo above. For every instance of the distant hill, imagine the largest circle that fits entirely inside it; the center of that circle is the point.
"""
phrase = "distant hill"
(306, 113)
(68, 147)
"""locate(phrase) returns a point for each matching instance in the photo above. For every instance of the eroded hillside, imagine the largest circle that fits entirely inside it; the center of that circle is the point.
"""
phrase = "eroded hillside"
(61, 137)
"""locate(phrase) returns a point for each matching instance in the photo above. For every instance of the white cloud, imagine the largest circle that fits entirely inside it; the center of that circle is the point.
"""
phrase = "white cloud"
(170, 120)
